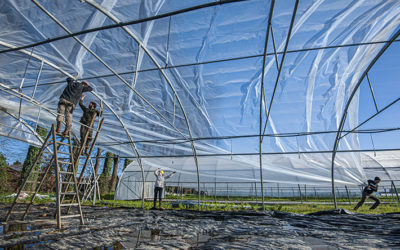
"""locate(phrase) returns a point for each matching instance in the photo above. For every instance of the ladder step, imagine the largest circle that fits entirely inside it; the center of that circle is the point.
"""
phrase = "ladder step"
(33, 182)
(68, 193)
(21, 202)
(65, 162)
(71, 183)
(28, 192)
(70, 216)
(65, 153)
(38, 172)
(61, 135)
(69, 204)
(66, 172)
(58, 142)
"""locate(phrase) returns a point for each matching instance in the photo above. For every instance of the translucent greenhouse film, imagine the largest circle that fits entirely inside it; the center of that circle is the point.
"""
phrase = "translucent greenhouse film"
(218, 91)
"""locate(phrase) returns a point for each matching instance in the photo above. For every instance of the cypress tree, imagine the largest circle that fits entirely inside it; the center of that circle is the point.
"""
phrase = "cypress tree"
(127, 162)
(97, 164)
(3, 173)
(114, 174)
(105, 176)
(30, 158)
(108, 164)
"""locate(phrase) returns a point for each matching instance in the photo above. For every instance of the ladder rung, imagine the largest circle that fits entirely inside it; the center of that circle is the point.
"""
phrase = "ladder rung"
(18, 212)
(27, 203)
(58, 142)
(71, 183)
(62, 135)
(66, 172)
(28, 192)
(38, 172)
(69, 204)
(68, 193)
(65, 162)
(65, 153)
(70, 216)
(32, 181)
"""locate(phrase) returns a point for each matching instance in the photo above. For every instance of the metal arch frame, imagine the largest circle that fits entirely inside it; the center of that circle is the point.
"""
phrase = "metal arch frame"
(262, 132)
(33, 101)
(280, 66)
(262, 95)
(105, 64)
(172, 13)
(227, 59)
(25, 124)
(127, 84)
(141, 45)
(344, 115)
(67, 74)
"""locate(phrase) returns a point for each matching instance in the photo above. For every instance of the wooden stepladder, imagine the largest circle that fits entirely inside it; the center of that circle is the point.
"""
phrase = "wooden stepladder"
(55, 154)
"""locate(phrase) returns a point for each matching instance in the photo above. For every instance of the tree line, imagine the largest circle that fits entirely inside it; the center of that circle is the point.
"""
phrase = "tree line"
(108, 179)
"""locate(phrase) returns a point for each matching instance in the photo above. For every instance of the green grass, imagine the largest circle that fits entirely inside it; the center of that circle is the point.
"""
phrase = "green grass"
(107, 200)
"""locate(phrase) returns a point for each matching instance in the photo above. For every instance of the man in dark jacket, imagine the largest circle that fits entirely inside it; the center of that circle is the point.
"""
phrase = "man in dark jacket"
(368, 193)
(68, 100)
(86, 120)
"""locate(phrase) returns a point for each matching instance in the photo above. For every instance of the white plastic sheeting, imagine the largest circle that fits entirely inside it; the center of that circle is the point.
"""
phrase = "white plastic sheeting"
(198, 74)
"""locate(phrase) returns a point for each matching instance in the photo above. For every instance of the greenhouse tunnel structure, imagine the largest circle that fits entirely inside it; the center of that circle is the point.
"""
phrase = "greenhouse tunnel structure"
(235, 96)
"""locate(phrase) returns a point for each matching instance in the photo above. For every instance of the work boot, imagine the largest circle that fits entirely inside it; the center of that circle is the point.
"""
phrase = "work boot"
(58, 128)
(66, 132)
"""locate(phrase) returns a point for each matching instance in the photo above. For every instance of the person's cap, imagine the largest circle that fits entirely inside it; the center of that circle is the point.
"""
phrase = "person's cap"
(377, 178)
(85, 82)
(161, 172)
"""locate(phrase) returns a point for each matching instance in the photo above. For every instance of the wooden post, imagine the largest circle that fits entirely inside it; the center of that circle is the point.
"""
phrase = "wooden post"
(395, 190)
(301, 196)
(305, 191)
(58, 183)
(348, 195)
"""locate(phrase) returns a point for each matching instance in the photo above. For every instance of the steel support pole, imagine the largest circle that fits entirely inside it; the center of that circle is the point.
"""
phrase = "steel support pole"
(343, 119)
(301, 196)
(271, 11)
(348, 195)
(131, 34)
(395, 190)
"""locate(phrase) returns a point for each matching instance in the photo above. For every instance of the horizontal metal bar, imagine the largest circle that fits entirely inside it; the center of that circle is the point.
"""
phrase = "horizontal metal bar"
(214, 61)
(122, 24)
(269, 153)
(177, 141)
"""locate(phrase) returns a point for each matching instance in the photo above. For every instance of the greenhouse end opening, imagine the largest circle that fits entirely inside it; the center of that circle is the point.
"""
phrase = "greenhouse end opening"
(199, 124)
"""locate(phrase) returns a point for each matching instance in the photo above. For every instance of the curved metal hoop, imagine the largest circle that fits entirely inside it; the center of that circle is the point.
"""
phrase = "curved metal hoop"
(343, 119)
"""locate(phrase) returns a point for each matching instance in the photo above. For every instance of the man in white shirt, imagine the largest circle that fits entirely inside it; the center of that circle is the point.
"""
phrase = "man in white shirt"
(159, 185)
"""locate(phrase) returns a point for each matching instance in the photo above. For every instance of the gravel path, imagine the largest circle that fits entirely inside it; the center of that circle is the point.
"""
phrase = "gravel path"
(171, 229)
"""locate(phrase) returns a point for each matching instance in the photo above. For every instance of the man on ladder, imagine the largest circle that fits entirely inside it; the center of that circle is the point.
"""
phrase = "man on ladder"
(68, 100)
(86, 120)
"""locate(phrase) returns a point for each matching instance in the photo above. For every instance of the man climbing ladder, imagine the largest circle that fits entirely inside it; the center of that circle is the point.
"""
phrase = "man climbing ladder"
(86, 120)
(68, 100)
